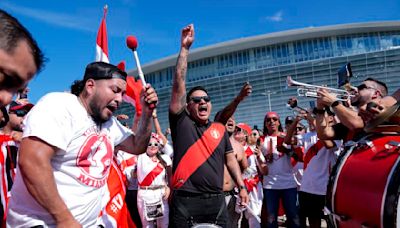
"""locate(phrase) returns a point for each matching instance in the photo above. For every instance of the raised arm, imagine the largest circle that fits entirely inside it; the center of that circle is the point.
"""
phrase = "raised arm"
(228, 111)
(157, 127)
(137, 143)
(37, 173)
(179, 81)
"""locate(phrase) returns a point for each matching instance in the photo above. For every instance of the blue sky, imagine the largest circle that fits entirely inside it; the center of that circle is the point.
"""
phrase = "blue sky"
(66, 30)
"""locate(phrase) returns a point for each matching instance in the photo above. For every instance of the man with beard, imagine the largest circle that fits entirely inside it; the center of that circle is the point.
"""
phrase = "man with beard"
(67, 148)
(201, 148)
(350, 120)
(10, 137)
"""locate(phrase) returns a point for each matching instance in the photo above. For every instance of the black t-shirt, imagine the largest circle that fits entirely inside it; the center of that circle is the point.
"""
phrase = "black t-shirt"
(208, 178)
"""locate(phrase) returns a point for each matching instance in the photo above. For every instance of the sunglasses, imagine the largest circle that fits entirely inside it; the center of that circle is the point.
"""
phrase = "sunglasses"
(154, 144)
(20, 113)
(198, 99)
(238, 129)
(299, 128)
(254, 134)
(363, 86)
(273, 118)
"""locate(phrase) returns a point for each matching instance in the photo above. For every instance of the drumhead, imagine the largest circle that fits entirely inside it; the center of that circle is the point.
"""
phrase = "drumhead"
(205, 225)
(391, 206)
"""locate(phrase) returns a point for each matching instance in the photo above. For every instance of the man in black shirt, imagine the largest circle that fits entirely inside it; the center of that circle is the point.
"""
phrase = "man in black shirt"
(201, 148)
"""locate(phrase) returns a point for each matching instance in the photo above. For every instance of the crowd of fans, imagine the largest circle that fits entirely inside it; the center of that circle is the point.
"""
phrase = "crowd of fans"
(71, 163)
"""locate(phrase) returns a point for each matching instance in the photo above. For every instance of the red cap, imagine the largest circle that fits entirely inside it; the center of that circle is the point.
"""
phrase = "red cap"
(272, 114)
(245, 127)
(18, 106)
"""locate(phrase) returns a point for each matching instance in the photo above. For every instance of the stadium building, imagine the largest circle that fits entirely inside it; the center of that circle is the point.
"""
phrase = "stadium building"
(311, 55)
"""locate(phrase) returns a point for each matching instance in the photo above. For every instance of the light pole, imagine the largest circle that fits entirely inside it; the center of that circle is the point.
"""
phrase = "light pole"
(268, 94)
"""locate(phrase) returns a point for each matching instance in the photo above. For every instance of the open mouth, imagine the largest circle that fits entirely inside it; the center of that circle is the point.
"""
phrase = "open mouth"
(203, 109)
(112, 108)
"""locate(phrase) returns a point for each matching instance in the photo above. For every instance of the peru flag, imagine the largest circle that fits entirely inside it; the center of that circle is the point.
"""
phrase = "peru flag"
(101, 42)
(133, 89)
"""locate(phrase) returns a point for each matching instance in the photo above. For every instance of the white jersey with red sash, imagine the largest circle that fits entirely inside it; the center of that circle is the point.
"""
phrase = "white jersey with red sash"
(252, 182)
(115, 212)
(280, 169)
(151, 173)
(318, 163)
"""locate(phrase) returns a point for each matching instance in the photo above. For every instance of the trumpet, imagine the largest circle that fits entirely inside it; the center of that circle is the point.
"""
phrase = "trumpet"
(308, 90)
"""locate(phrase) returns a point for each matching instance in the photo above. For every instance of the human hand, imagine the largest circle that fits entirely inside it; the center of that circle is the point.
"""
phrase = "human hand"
(166, 193)
(244, 197)
(325, 98)
(187, 36)
(150, 98)
(245, 91)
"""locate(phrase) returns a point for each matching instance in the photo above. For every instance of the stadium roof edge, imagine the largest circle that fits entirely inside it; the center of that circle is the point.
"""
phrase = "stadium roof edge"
(272, 38)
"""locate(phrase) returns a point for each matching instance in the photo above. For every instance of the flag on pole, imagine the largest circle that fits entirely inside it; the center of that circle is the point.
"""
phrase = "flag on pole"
(101, 42)
(133, 89)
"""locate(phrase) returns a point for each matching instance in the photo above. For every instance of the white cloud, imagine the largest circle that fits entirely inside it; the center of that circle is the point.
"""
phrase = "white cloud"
(277, 17)
(53, 18)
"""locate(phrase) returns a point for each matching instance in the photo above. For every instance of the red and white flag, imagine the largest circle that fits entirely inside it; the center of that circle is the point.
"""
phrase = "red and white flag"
(101, 42)
(133, 89)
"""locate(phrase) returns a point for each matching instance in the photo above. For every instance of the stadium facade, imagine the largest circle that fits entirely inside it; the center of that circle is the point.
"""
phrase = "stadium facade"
(311, 55)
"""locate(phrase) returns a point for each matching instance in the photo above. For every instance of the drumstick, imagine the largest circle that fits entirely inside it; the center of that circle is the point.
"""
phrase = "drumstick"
(131, 43)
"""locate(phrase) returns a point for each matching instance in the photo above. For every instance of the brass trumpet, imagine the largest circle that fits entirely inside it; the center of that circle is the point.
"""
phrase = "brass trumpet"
(308, 90)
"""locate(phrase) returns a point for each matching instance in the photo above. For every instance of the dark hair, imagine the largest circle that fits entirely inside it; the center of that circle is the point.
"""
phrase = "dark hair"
(265, 129)
(11, 32)
(97, 71)
(383, 89)
(194, 89)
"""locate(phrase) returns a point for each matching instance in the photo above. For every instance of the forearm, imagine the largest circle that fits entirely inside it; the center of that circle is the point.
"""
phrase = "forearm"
(158, 130)
(290, 132)
(142, 135)
(228, 111)
(348, 117)
(262, 165)
(323, 130)
(178, 86)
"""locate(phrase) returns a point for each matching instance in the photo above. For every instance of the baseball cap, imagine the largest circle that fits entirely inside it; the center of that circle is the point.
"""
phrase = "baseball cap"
(102, 70)
(245, 127)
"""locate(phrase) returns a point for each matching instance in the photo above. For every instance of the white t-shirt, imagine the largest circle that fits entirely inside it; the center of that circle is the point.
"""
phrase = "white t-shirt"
(80, 165)
(280, 170)
(316, 175)
(146, 165)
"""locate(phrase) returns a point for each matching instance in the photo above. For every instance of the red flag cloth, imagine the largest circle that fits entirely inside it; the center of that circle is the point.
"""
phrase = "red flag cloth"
(133, 89)
(101, 42)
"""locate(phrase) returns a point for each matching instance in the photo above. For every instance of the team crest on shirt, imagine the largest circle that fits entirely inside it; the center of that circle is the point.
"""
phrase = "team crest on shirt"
(94, 160)
(215, 133)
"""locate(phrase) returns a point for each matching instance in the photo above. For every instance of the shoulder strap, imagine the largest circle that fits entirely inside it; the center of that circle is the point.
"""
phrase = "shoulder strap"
(198, 153)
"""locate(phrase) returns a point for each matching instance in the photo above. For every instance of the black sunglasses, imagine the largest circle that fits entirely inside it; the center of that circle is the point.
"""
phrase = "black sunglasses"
(20, 113)
(254, 134)
(299, 128)
(273, 118)
(363, 86)
(198, 99)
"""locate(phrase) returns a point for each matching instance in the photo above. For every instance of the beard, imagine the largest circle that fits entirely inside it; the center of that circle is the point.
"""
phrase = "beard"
(96, 112)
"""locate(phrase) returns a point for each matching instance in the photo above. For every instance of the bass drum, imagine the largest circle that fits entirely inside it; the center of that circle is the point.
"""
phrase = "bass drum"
(364, 185)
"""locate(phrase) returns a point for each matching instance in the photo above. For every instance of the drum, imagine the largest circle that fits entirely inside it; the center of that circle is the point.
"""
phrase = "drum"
(364, 185)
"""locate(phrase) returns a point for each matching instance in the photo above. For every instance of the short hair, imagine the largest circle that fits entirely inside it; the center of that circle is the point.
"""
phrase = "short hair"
(12, 31)
(97, 71)
(383, 87)
(194, 89)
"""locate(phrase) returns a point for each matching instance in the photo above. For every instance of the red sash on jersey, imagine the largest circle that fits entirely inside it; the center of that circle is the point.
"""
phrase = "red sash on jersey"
(198, 153)
(152, 175)
(248, 152)
(251, 183)
(312, 151)
(4, 185)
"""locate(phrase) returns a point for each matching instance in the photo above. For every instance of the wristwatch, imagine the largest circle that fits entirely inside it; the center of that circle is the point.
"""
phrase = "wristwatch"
(335, 103)
(242, 187)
